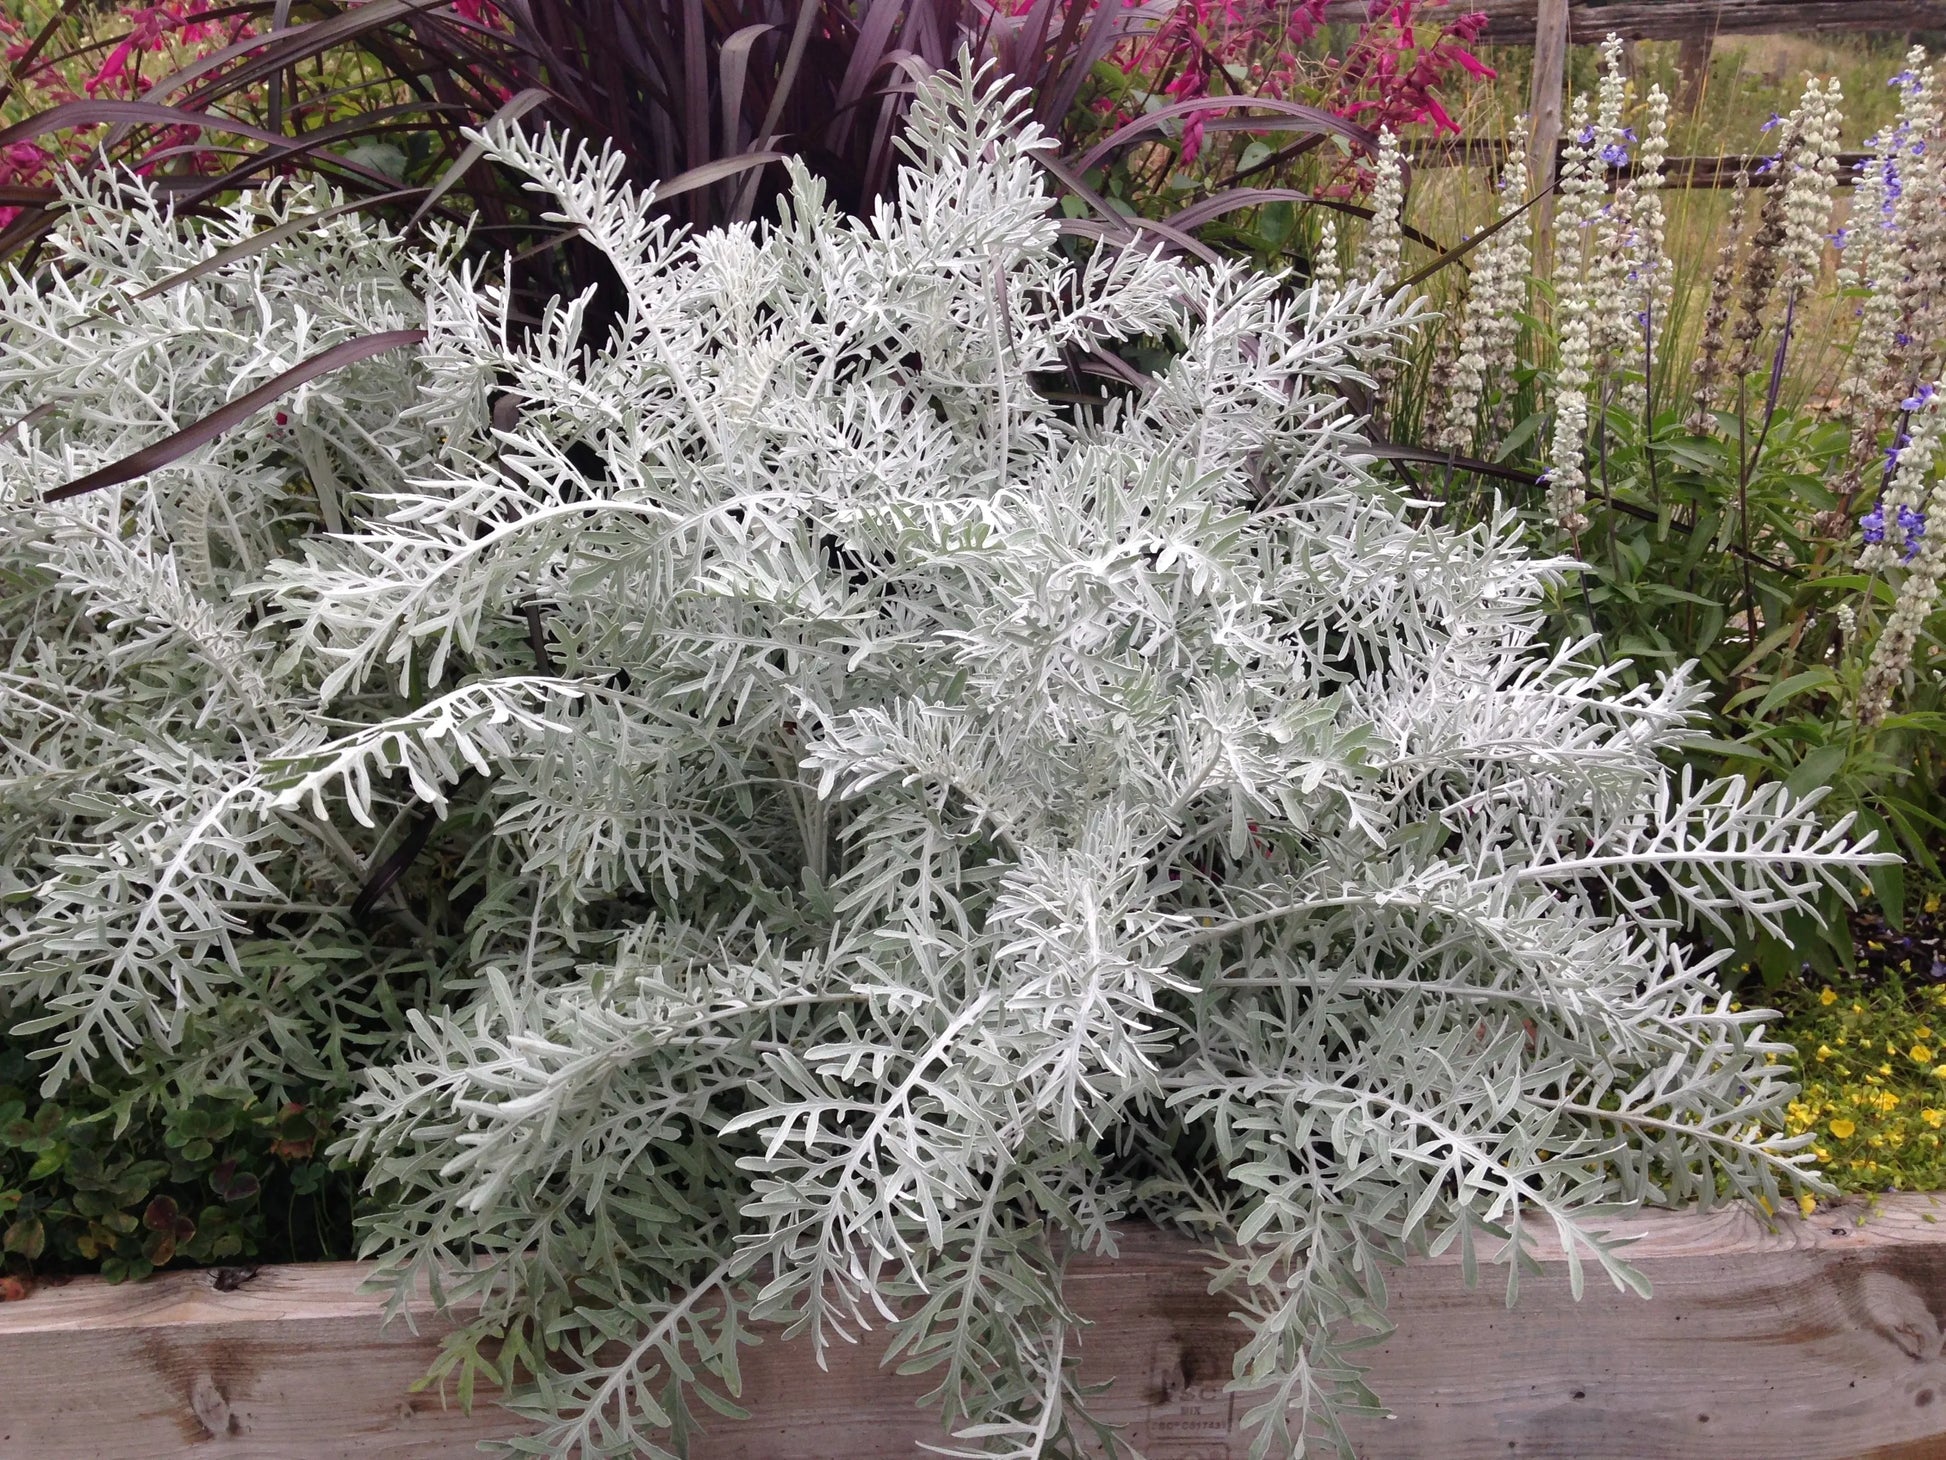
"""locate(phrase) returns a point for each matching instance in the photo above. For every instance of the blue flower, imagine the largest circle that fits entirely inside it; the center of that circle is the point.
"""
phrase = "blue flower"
(1615, 154)
(1920, 401)
(1587, 136)
(1913, 524)
(1872, 528)
(1772, 125)
(1841, 238)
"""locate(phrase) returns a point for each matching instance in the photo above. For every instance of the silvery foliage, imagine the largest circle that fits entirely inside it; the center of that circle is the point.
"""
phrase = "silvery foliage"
(903, 813)
(150, 898)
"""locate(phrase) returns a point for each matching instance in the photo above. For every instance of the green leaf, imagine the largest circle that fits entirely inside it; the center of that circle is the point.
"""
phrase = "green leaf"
(27, 1237)
(1784, 690)
(1818, 768)
(48, 1162)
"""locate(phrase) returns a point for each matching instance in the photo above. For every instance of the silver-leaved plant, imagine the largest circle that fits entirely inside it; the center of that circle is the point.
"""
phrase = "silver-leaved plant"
(812, 801)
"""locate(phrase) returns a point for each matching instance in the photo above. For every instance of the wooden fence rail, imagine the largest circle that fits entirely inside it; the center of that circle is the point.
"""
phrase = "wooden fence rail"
(1677, 172)
(1820, 1340)
(1512, 22)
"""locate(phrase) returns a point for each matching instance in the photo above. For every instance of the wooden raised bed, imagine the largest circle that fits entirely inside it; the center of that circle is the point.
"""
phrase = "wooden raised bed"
(1814, 1341)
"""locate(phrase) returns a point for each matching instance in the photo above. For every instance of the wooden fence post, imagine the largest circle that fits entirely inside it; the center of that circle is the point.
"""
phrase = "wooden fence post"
(1550, 80)
(1693, 60)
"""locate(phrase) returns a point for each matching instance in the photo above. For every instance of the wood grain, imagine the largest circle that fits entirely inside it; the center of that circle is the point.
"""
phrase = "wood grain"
(1511, 22)
(1816, 1341)
(1544, 109)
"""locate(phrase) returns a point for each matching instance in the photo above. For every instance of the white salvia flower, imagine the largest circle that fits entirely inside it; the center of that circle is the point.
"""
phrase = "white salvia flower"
(848, 750)
(1872, 227)
(1874, 259)
(1615, 333)
(1924, 202)
(1882, 244)
(1630, 283)
(1611, 93)
(1581, 188)
(1379, 259)
(1911, 525)
(1654, 277)
(1808, 187)
(1922, 219)
(1496, 298)
(1327, 270)
(1847, 618)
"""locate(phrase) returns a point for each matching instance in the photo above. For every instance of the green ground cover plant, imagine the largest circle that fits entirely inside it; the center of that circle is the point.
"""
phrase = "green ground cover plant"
(96, 1181)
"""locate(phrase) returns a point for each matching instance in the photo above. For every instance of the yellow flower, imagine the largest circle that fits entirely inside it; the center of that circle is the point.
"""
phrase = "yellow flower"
(1828, 997)
(1933, 1118)
(1932, 903)
(1885, 1069)
(1843, 1129)
(1824, 1156)
(1824, 1051)
(1920, 1055)
(1939, 1071)
(1807, 1204)
(1922, 1032)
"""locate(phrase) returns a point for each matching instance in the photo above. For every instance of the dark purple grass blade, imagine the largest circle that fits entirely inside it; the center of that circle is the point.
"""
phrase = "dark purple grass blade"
(263, 240)
(174, 447)
(515, 108)
(114, 113)
(715, 172)
(1455, 254)
(1286, 116)
(1232, 199)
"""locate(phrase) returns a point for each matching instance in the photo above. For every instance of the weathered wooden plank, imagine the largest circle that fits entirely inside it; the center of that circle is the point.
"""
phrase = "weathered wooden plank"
(291, 1365)
(1511, 22)
(1820, 1341)
(1677, 172)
